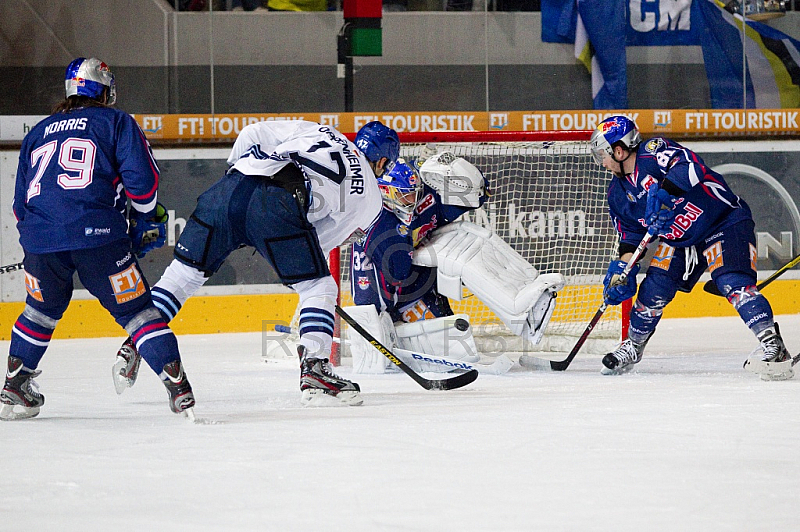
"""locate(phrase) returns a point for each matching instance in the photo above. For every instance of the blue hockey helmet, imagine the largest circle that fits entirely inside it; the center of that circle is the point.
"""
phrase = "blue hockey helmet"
(401, 188)
(90, 77)
(614, 130)
(376, 141)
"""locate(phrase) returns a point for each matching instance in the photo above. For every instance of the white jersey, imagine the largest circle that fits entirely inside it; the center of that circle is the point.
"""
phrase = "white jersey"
(344, 193)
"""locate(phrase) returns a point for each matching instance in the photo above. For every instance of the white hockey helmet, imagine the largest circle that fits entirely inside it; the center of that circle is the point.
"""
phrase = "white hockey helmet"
(614, 130)
(90, 77)
(456, 180)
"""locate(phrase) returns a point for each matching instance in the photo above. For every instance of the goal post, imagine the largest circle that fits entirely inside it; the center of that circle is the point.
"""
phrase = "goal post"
(548, 201)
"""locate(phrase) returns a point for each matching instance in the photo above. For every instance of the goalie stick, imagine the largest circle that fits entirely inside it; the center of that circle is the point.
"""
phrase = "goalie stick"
(711, 287)
(429, 384)
(561, 365)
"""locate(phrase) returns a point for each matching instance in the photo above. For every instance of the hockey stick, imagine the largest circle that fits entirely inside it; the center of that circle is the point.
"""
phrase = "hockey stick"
(11, 268)
(711, 287)
(445, 384)
(561, 365)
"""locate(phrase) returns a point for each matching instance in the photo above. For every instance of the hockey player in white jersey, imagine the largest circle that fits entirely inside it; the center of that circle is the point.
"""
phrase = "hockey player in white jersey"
(294, 191)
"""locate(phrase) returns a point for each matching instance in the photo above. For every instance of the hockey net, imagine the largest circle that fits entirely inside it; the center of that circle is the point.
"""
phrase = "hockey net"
(548, 201)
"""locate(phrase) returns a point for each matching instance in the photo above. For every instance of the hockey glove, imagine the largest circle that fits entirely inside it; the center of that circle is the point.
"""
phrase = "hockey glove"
(660, 212)
(148, 233)
(615, 292)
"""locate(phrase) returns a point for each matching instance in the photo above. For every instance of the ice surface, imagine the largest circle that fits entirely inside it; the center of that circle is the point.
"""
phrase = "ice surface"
(689, 441)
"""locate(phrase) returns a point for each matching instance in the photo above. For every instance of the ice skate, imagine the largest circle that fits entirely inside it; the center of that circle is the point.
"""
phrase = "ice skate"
(126, 367)
(321, 386)
(181, 397)
(771, 361)
(20, 396)
(623, 358)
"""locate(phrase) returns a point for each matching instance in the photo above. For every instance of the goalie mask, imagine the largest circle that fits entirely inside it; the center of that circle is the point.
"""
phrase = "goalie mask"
(612, 131)
(401, 188)
(90, 77)
(457, 181)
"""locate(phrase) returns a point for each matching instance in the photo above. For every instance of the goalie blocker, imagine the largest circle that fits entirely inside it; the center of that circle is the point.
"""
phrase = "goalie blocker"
(505, 282)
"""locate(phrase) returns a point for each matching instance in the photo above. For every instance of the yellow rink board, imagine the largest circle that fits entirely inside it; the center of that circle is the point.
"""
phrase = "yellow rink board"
(248, 313)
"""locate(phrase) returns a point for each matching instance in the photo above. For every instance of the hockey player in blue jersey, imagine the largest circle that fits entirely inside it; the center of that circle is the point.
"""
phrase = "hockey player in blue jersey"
(702, 225)
(294, 191)
(417, 244)
(77, 169)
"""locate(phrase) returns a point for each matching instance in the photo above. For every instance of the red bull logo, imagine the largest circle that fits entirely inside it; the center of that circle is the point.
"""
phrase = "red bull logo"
(363, 283)
(426, 202)
(423, 230)
(606, 126)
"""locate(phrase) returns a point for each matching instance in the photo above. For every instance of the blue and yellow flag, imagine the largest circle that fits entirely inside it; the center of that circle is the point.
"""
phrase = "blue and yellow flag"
(771, 79)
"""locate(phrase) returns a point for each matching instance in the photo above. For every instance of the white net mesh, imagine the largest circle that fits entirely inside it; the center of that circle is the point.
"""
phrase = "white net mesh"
(549, 203)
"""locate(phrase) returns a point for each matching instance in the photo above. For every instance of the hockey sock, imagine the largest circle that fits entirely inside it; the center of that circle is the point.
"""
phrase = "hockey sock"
(655, 293)
(166, 303)
(317, 302)
(30, 336)
(178, 283)
(316, 331)
(153, 339)
(753, 308)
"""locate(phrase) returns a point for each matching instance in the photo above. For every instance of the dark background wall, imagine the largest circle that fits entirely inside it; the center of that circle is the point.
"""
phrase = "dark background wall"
(229, 62)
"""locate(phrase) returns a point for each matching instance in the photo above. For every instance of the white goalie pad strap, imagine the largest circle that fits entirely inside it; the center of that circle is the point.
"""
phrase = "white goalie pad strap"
(367, 359)
(504, 281)
(450, 336)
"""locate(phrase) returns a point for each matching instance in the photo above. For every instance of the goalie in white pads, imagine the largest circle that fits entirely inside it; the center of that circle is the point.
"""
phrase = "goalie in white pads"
(414, 257)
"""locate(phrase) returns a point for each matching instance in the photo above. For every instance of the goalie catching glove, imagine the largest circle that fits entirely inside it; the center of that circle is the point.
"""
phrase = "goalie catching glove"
(147, 231)
(505, 282)
(457, 181)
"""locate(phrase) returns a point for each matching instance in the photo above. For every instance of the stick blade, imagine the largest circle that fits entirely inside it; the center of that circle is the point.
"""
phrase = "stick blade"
(560, 365)
(459, 381)
(711, 288)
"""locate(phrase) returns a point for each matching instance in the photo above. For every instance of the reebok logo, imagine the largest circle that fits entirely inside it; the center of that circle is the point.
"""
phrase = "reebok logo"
(441, 361)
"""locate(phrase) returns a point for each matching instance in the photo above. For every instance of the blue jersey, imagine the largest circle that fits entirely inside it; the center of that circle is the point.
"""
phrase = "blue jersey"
(382, 273)
(76, 171)
(706, 205)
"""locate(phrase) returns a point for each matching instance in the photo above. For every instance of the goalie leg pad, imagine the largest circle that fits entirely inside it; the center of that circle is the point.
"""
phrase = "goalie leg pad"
(367, 359)
(507, 283)
(450, 336)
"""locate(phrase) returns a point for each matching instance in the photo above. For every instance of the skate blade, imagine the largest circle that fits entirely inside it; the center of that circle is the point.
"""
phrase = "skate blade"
(190, 417)
(617, 371)
(316, 397)
(770, 371)
(14, 412)
(120, 383)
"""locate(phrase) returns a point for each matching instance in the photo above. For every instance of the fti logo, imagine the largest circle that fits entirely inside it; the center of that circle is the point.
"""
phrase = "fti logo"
(152, 124)
(662, 120)
(32, 286)
(329, 120)
(498, 120)
(127, 284)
